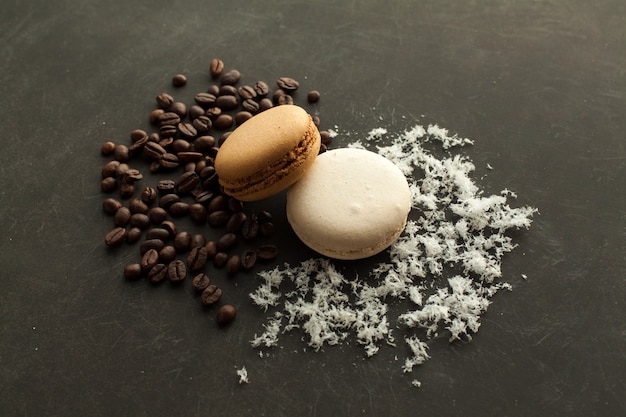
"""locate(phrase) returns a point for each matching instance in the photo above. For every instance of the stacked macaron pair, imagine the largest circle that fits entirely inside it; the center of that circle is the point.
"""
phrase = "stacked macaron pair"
(344, 203)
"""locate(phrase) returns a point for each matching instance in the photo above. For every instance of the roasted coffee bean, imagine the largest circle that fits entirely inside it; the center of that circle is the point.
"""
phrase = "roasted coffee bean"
(166, 186)
(110, 169)
(167, 254)
(169, 118)
(204, 197)
(211, 249)
(220, 259)
(234, 205)
(158, 233)
(169, 161)
(323, 148)
(236, 220)
(157, 273)
(132, 271)
(267, 252)
(267, 229)
(153, 150)
(232, 265)
(137, 206)
(148, 195)
(155, 115)
(286, 99)
(187, 130)
(202, 124)
(248, 259)
(179, 209)
(213, 89)
(195, 111)
(203, 143)
(213, 112)
(127, 190)
(121, 170)
(187, 182)
(218, 218)
(140, 220)
(325, 137)
(167, 133)
(313, 96)
(115, 237)
(179, 108)
(250, 228)
(180, 145)
(182, 241)
(264, 216)
(198, 240)
(216, 67)
(227, 102)
(251, 106)
(121, 153)
(261, 88)
(179, 80)
(111, 205)
(197, 258)
(246, 92)
(231, 77)
(200, 282)
(148, 244)
(167, 200)
(157, 215)
(227, 241)
(226, 314)
(211, 295)
(164, 100)
(197, 212)
(220, 202)
(131, 176)
(205, 100)
(170, 227)
(209, 177)
(190, 156)
(287, 84)
(316, 120)
(176, 271)
(122, 216)
(242, 117)
(265, 104)
(149, 259)
(133, 235)
(107, 148)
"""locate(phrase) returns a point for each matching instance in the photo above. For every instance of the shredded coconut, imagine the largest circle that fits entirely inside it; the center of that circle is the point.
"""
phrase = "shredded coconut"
(243, 375)
(446, 264)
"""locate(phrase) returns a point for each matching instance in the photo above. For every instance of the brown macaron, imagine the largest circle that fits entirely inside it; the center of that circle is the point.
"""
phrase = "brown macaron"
(267, 153)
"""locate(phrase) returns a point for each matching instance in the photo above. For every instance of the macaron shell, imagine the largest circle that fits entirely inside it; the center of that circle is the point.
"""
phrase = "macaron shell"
(350, 204)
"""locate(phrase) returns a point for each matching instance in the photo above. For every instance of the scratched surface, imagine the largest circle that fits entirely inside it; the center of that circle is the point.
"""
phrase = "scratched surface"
(541, 88)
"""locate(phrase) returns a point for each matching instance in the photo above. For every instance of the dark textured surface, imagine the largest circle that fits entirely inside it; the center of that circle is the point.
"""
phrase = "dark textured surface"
(540, 86)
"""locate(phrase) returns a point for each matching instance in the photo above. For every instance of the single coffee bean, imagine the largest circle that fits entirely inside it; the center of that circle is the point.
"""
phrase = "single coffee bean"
(108, 184)
(220, 259)
(110, 169)
(131, 176)
(211, 249)
(122, 216)
(187, 182)
(267, 229)
(176, 271)
(200, 282)
(115, 237)
(227, 102)
(261, 88)
(179, 108)
(211, 295)
(169, 118)
(246, 92)
(203, 143)
(204, 197)
(179, 209)
(250, 228)
(205, 100)
(148, 244)
(316, 121)
(157, 273)
(251, 106)
(233, 265)
(121, 153)
(157, 215)
(234, 205)
(213, 112)
(228, 90)
(267, 252)
(155, 115)
(227, 241)
(286, 99)
(218, 203)
(197, 212)
(180, 145)
(182, 241)
(313, 96)
(132, 271)
(197, 258)
(133, 235)
(164, 100)
(137, 134)
(325, 137)
(140, 220)
(202, 124)
(137, 206)
(167, 200)
(216, 67)
(127, 190)
(111, 205)
(287, 84)
(231, 77)
(153, 150)
(265, 104)
(148, 195)
(179, 80)
(248, 259)
(198, 240)
(213, 89)
(169, 161)
(167, 254)
(158, 233)
(218, 218)
(226, 314)
(166, 186)
(236, 220)
(170, 227)
(242, 117)
(187, 130)
(107, 148)
(149, 259)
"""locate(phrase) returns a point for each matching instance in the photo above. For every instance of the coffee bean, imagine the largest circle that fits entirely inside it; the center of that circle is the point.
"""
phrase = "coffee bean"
(234, 205)
(203, 143)
(226, 314)
(202, 124)
(216, 67)
(167, 200)
(265, 104)
(197, 212)
(121, 153)
(153, 150)
(211, 249)
(246, 92)
(195, 111)
(179, 209)
(164, 100)
(267, 229)
(287, 84)
(108, 184)
(137, 206)
(187, 130)
(115, 237)
(261, 88)
(211, 295)
(325, 137)
(111, 205)
(220, 259)
(227, 242)
(158, 233)
(200, 282)
(137, 135)
(265, 216)
(132, 271)
(313, 96)
(213, 112)
(127, 190)
(218, 203)
(267, 252)
(250, 228)
(179, 80)
(205, 100)
(187, 182)
(107, 148)
(133, 235)
(155, 115)
(213, 89)
(110, 169)
(180, 145)
(149, 259)
(227, 102)
(248, 259)
(236, 220)
(218, 218)
(179, 108)
(182, 241)
(203, 198)
(242, 117)
(157, 215)
(316, 120)
(232, 265)
(167, 253)
(157, 273)
(122, 216)
(230, 78)
(169, 161)
(176, 271)
(166, 186)
(131, 176)
(140, 220)
(148, 244)
(170, 227)
(169, 118)
(286, 99)
(148, 195)
(197, 258)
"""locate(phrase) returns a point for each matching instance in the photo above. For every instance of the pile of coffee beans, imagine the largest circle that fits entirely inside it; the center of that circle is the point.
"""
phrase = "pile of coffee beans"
(182, 146)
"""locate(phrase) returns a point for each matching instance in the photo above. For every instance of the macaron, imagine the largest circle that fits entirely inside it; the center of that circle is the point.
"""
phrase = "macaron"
(267, 153)
(351, 204)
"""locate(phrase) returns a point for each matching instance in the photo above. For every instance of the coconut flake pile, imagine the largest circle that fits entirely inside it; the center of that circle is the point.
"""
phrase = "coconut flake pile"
(442, 271)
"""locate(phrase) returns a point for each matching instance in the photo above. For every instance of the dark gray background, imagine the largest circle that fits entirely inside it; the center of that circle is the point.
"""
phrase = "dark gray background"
(540, 86)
